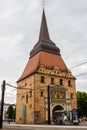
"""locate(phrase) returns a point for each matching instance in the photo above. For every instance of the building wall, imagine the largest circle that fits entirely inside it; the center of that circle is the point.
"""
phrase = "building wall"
(36, 107)
(25, 87)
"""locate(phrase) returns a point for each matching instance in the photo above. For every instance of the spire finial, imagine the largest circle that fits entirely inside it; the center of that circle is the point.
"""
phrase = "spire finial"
(44, 34)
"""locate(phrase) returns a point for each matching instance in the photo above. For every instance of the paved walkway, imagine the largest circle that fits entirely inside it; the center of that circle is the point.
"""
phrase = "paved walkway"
(83, 123)
(13, 126)
(82, 126)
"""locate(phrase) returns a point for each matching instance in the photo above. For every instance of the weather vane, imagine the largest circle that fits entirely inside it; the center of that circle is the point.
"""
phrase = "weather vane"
(43, 3)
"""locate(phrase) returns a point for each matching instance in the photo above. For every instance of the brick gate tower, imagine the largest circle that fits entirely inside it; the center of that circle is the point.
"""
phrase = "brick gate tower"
(45, 67)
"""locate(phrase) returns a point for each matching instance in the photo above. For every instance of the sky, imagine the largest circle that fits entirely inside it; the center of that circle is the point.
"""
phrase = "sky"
(19, 31)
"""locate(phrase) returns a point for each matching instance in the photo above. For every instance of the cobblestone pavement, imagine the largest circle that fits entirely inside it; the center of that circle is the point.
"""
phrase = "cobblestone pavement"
(83, 123)
(81, 126)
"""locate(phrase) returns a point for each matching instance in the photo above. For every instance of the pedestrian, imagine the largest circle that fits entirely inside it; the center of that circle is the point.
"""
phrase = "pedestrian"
(65, 119)
(52, 121)
(60, 119)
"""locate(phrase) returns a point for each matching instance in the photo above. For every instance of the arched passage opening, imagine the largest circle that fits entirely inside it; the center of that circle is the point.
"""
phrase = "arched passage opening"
(58, 112)
(58, 108)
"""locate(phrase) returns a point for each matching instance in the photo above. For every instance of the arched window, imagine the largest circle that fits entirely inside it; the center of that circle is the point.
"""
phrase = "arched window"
(72, 95)
(61, 81)
(42, 79)
(69, 83)
(41, 93)
(52, 80)
(30, 93)
(26, 98)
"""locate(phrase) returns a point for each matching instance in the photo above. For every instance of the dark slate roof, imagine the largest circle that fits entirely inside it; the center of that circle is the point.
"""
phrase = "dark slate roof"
(44, 43)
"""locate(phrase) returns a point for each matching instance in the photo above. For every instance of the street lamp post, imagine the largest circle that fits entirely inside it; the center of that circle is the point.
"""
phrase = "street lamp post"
(2, 104)
(49, 105)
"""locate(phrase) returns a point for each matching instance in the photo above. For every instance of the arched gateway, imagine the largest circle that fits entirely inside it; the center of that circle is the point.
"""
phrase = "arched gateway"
(57, 112)
(58, 109)
(59, 103)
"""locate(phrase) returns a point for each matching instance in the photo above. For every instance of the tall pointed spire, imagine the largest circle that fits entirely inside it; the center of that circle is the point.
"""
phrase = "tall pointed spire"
(44, 34)
(44, 43)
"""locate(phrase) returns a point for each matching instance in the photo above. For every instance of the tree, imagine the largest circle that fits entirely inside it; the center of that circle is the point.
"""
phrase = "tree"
(14, 113)
(10, 112)
(82, 103)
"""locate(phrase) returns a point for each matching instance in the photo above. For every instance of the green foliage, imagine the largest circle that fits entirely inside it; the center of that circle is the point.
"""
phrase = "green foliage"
(11, 112)
(14, 113)
(82, 103)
